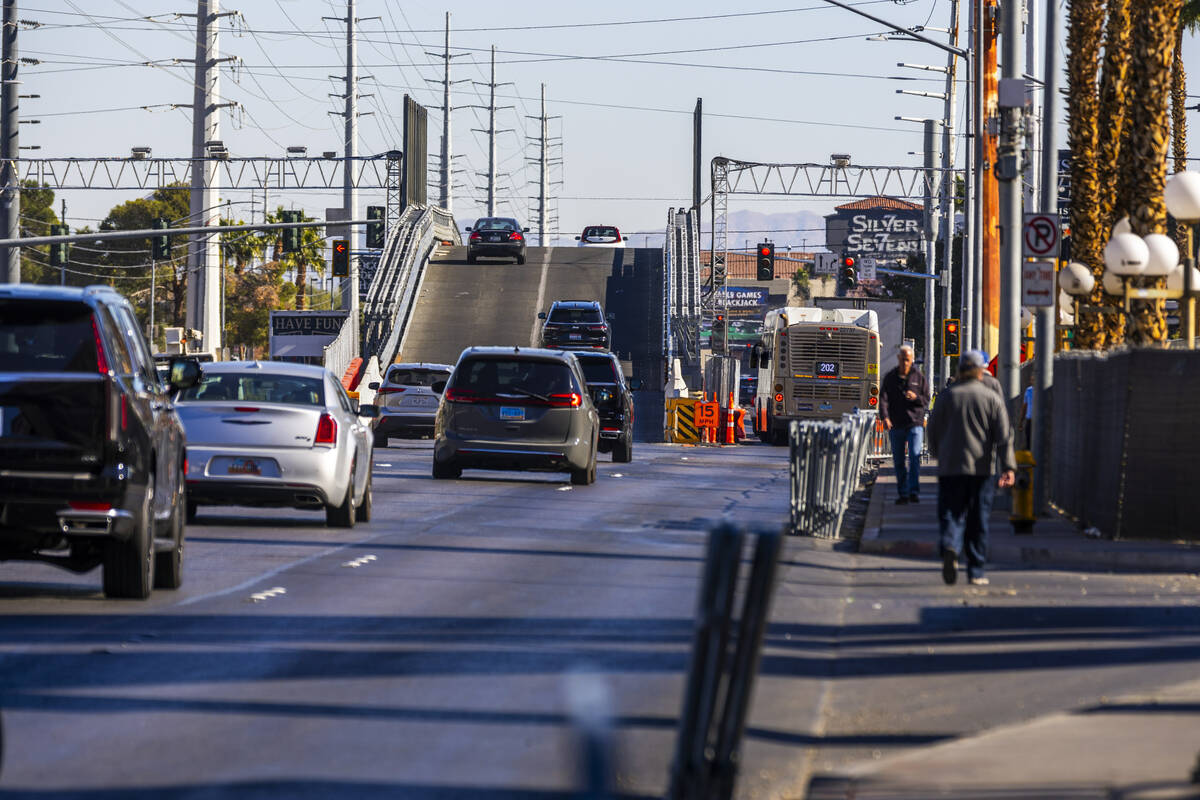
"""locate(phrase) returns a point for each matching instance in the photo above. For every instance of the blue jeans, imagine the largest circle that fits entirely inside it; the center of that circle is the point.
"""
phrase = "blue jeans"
(908, 472)
(964, 505)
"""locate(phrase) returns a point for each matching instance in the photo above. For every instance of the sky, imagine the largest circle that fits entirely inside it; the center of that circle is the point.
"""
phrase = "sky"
(780, 82)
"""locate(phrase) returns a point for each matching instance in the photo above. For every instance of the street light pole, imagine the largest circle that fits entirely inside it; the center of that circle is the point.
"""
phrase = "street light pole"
(1008, 172)
(1047, 317)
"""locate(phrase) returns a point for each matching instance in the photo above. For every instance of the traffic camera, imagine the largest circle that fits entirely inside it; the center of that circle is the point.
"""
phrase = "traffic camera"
(766, 261)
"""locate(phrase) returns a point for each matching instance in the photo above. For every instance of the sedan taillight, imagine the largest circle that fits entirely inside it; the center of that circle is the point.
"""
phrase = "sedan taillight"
(515, 236)
(475, 237)
(326, 430)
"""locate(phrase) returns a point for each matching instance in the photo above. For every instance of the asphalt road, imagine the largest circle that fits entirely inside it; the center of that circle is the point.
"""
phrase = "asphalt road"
(432, 653)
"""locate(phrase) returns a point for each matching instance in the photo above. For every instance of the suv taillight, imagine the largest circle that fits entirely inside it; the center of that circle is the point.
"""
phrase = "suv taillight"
(461, 396)
(326, 430)
(101, 358)
(390, 390)
(569, 400)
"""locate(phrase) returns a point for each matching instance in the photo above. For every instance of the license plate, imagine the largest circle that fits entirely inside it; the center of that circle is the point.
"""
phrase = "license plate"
(495, 237)
(512, 412)
(424, 401)
(575, 337)
(244, 466)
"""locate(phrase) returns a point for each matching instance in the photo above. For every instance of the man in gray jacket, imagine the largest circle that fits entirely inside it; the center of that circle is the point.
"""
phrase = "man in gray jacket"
(968, 425)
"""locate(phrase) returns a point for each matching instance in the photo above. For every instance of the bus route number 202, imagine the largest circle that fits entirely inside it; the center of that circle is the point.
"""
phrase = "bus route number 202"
(827, 369)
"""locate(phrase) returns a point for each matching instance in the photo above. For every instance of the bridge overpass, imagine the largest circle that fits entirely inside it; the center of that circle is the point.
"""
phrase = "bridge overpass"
(494, 302)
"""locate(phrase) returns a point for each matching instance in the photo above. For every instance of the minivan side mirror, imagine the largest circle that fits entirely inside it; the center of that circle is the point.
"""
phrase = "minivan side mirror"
(373, 385)
(611, 317)
(635, 384)
(468, 229)
(541, 315)
(525, 230)
(184, 373)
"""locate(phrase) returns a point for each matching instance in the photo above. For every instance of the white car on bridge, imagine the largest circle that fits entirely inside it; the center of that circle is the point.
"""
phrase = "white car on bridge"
(601, 236)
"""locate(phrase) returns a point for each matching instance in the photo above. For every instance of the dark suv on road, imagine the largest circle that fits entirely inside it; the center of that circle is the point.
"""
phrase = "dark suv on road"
(92, 454)
(613, 400)
(496, 236)
(576, 325)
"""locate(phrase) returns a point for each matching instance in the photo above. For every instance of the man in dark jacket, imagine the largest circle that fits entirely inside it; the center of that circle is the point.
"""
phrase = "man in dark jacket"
(903, 398)
(968, 428)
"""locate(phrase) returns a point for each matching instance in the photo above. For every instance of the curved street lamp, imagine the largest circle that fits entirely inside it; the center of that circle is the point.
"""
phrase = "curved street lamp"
(1182, 194)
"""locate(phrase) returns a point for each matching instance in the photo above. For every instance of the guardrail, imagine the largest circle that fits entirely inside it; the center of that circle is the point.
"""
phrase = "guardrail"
(827, 459)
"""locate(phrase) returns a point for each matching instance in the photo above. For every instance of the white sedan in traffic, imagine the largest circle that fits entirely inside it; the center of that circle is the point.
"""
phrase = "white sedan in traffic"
(276, 434)
(601, 236)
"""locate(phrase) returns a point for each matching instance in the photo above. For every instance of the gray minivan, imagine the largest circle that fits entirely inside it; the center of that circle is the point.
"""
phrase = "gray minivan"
(517, 408)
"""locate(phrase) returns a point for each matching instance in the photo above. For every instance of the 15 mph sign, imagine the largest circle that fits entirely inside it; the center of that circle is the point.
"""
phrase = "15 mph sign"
(1040, 236)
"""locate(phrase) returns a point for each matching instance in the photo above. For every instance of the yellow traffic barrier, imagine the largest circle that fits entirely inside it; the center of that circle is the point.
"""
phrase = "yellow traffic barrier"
(681, 420)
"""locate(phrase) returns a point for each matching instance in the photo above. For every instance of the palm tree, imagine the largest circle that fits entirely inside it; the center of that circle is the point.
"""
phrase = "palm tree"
(1114, 134)
(1155, 29)
(1085, 21)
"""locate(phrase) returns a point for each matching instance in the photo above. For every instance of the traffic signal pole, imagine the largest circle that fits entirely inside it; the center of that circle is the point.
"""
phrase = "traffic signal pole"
(931, 230)
(10, 205)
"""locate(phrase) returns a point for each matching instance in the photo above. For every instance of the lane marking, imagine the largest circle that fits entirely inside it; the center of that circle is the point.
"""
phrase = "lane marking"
(258, 597)
(535, 329)
(564, 489)
(359, 562)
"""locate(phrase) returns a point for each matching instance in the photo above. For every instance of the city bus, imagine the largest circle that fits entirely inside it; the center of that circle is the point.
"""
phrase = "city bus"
(814, 363)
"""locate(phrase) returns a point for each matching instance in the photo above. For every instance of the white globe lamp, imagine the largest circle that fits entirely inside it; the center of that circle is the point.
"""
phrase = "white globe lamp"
(1076, 279)
(1164, 255)
(1182, 194)
(1122, 226)
(1126, 254)
(1112, 283)
(1175, 278)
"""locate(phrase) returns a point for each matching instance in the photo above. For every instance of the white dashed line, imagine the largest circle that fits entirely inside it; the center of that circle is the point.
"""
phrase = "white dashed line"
(258, 597)
(358, 562)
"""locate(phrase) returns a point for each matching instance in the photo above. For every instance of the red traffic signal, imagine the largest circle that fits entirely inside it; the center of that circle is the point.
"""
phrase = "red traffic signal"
(341, 258)
(848, 261)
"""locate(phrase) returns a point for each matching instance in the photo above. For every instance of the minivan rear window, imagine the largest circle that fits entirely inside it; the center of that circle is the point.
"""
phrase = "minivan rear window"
(576, 316)
(492, 376)
(417, 377)
(46, 336)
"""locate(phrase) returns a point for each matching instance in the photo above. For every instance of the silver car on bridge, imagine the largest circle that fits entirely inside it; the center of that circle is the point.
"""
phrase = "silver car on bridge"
(275, 434)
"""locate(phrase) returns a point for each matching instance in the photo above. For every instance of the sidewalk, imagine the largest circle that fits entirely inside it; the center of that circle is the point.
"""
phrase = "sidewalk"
(911, 530)
(1141, 746)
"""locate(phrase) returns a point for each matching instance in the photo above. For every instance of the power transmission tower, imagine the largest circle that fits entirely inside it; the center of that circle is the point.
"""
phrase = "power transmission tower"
(204, 256)
(543, 160)
(446, 172)
(491, 132)
(350, 300)
(10, 205)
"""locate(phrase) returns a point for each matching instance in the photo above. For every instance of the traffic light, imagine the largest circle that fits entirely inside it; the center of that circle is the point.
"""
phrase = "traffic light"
(766, 261)
(58, 252)
(291, 236)
(718, 271)
(950, 332)
(849, 272)
(160, 246)
(341, 258)
(720, 332)
(375, 228)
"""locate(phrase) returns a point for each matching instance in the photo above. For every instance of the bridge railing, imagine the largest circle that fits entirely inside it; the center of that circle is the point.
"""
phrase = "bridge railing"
(827, 461)
(681, 289)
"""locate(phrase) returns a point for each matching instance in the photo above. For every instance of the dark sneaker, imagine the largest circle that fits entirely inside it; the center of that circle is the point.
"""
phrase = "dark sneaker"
(949, 567)
(901, 501)
(914, 499)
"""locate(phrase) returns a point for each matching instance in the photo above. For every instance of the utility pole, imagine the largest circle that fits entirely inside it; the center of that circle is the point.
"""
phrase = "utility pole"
(1008, 172)
(1047, 316)
(931, 233)
(967, 300)
(948, 185)
(446, 173)
(203, 261)
(10, 205)
(697, 122)
(491, 132)
(543, 181)
(989, 229)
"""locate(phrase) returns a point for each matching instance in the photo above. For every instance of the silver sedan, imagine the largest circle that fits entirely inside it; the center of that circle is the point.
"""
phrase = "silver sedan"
(268, 433)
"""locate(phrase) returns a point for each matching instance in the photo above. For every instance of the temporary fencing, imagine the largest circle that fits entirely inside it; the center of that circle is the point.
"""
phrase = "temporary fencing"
(827, 460)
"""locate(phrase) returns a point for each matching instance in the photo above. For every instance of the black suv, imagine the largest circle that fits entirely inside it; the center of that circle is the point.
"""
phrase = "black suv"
(92, 455)
(613, 401)
(576, 325)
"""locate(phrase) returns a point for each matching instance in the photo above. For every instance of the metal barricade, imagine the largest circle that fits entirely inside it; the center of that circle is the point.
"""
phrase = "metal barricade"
(827, 460)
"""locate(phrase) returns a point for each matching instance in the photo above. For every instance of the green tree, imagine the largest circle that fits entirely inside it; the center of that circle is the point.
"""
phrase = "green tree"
(310, 256)
(37, 215)
(800, 284)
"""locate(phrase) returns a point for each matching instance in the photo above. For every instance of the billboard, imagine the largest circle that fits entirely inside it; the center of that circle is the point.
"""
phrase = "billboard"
(296, 334)
(416, 153)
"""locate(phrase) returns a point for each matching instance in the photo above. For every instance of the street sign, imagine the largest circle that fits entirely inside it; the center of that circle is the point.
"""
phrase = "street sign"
(866, 268)
(707, 414)
(825, 263)
(1037, 283)
(1040, 236)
